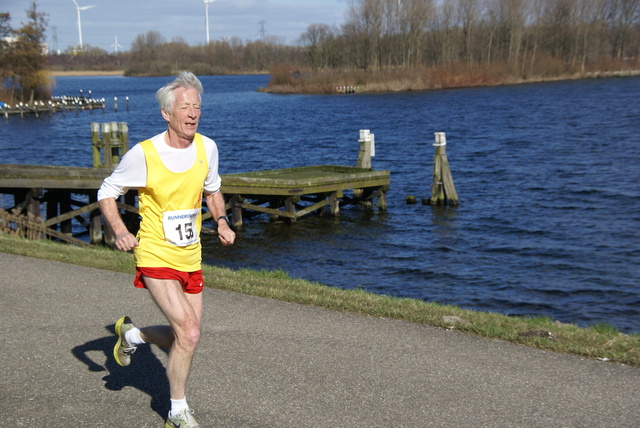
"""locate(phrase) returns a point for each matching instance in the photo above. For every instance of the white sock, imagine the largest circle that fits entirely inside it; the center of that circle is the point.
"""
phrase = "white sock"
(133, 337)
(177, 406)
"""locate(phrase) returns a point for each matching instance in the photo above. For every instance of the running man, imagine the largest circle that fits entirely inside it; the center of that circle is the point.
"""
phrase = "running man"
(172, 171)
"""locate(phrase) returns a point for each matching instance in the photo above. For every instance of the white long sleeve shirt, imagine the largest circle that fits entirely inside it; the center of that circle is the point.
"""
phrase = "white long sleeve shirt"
(132, 169)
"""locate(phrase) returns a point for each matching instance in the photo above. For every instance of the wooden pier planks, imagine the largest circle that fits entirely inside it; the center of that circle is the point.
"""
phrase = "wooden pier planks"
(302, 180)
(289, 193)
(51, 177)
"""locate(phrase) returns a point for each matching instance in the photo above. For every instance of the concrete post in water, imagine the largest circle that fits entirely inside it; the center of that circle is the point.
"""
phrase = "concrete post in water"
(367, 148)
(442, 189)
(367, 151)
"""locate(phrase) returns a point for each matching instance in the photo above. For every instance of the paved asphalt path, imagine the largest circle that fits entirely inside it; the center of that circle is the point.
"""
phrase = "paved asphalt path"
(264, 363)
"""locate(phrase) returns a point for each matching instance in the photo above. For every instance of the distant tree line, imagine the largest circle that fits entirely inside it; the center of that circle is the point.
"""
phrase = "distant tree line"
(152, 55)
(520, 37)
(528, 36)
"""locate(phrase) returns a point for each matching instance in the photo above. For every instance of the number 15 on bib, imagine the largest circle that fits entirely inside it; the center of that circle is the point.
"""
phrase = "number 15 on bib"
(180, 227)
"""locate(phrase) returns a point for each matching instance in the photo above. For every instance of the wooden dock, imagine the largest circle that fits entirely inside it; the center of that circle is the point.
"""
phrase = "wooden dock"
(56, 104)
(294, 192)
(288, 194)
(57, 188)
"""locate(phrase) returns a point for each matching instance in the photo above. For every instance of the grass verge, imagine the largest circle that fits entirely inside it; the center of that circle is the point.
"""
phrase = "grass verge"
(600, 341)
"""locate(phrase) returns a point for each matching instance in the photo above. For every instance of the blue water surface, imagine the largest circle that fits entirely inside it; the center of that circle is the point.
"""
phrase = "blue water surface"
(547, 174)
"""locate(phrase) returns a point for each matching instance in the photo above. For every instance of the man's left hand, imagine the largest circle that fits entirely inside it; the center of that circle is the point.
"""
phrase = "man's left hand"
(227, 236)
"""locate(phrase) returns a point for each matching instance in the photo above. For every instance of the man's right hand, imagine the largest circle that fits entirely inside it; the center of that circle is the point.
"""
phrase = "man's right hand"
(126, 242)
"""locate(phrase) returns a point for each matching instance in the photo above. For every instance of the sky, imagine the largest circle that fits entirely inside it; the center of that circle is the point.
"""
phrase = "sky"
(126, 19)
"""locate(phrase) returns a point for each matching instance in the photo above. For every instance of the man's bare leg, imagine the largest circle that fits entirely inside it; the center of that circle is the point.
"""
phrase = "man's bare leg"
(184, 313)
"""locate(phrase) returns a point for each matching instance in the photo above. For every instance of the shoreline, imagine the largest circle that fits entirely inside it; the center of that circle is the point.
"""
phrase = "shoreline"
(77, 73)
(307, 85)
(390, 86)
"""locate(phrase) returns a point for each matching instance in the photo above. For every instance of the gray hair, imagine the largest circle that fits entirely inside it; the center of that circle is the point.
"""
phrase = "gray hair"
(186, 80)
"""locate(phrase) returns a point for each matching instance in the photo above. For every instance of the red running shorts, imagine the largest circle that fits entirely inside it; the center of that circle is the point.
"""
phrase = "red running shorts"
(192, 282)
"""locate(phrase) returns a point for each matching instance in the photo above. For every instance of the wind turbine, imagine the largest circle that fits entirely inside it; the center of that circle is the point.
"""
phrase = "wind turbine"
(78, 9)
(116, 45)
(206, 15)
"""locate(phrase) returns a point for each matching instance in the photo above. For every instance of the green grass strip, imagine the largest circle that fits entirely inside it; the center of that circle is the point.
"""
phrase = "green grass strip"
(600, 341)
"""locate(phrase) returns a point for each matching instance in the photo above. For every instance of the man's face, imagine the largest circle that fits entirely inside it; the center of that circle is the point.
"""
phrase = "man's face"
(183, 120)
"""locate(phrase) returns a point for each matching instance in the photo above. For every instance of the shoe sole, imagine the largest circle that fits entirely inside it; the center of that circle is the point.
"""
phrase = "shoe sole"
(172, 425)
(119, 333)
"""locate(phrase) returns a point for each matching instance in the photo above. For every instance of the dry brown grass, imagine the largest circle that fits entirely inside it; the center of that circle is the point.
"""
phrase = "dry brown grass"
(286, 80)
(56, 73)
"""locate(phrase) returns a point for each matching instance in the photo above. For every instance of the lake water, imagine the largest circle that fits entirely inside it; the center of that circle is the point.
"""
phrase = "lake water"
(547, 175)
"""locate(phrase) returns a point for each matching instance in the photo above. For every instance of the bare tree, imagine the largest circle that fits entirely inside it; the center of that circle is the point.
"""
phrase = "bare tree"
(469, 12)
(624, 13)
(415, 16)
(317, 43)
(146, 46)
(365, 23)
(591, 16)
(443, 34)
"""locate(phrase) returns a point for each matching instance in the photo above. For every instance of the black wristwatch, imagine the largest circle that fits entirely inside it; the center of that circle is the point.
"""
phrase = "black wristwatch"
(223, 217)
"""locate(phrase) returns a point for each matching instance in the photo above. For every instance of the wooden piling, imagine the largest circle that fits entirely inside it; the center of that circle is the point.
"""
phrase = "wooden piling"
(236, 210)
(95, 144)
(366, 152)
(108, 148)
(442, 188)
(95, 221)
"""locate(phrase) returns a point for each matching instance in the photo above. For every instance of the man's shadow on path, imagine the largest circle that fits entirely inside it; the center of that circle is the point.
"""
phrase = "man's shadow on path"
(145, 372)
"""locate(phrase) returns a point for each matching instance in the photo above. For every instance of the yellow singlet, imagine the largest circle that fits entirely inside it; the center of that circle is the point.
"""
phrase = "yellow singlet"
(170, 207)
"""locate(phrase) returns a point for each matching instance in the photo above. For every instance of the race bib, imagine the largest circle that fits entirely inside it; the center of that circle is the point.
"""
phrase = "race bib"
(180, 227)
